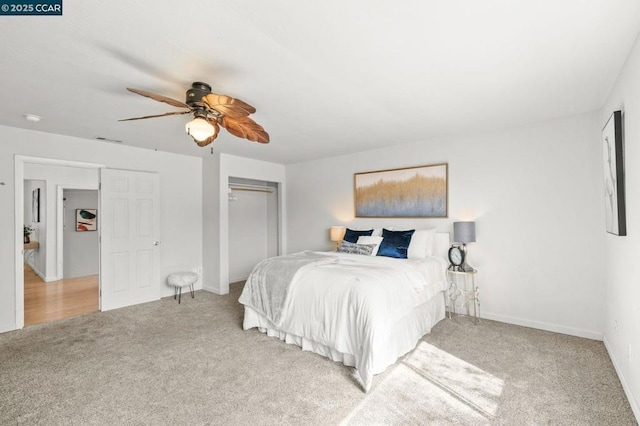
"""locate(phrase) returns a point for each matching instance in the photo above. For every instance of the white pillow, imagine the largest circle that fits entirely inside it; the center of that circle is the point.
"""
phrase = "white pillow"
(364, 239)
(377, 232)
(422, 242)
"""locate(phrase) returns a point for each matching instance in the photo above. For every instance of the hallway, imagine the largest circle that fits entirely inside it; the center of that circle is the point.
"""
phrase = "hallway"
(44, 302)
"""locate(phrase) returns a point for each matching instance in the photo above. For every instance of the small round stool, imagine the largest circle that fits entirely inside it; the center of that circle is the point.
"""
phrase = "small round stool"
(182, 279)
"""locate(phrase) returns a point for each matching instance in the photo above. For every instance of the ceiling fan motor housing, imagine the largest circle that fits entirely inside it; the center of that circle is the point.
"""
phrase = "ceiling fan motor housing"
(196, 93)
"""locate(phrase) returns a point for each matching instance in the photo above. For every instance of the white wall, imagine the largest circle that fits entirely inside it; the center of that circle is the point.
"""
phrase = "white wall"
(535, 194)
(211, 197)
(36, 258)
(180, 200)
(253, 230)
(622, 277)
(81, 249)
(273, 225)
(247, 233)
(53, 176)
(218, 168)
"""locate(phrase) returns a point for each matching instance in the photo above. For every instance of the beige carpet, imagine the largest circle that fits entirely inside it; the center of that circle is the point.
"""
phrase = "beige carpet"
(191, 364)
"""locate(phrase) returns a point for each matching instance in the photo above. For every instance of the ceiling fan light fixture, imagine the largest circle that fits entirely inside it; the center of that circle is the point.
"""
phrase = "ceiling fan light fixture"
(200, 129)
(210, 111)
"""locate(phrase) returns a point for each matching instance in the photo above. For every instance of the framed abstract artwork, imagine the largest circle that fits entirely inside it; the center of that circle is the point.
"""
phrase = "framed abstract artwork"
(86, 219)
(35, 205)
(409, 192)
(613, 167)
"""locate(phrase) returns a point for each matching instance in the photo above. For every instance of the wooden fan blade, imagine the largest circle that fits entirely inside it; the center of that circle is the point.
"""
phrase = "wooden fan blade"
(226, 105)
(244, 127)
(154, 116)
(159, 98)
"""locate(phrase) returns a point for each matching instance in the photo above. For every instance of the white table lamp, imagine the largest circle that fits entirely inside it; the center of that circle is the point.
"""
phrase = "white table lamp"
(336, 233)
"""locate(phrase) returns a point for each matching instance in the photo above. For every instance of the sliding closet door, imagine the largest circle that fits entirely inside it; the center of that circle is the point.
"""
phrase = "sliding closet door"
(130, 233)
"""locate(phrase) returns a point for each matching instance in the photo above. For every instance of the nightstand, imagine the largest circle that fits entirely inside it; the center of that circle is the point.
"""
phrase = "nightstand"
(463, 292)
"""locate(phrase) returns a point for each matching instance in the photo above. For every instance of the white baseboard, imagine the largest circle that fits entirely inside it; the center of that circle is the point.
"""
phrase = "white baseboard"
(625, 386)
(7, 327)
(213, 290)
(235, 280)
(588, 334)
(41, 275)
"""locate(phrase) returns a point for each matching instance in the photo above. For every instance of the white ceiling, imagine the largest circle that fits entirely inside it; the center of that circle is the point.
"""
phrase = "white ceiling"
(327, 77)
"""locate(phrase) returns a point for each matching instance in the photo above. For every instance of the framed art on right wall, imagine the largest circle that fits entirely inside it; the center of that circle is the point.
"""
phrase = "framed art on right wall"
(613, 167)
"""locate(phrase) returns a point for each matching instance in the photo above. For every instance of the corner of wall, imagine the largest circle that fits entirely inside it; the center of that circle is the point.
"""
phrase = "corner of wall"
(635, 407)
(210, 226)
(621, 316)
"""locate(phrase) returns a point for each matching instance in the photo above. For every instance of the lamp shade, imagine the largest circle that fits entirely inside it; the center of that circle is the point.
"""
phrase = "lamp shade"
(336, 233)
(464, 232)
(200, 129)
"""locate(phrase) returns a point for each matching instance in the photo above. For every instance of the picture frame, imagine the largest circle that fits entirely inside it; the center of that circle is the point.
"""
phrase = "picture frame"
(613, 168)
(420, 191)
(86, 220)
(35, 205)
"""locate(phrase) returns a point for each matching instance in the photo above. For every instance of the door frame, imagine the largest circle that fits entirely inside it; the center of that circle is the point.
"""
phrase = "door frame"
(19, 162)
(60, 222)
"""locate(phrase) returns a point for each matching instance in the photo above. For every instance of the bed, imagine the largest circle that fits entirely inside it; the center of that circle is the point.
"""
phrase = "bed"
(362, 311)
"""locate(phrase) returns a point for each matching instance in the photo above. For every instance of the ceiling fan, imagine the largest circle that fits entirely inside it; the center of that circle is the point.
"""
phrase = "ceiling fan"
(210, 111)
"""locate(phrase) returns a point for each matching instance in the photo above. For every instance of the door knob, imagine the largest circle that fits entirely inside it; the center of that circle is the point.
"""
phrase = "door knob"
(156, 243)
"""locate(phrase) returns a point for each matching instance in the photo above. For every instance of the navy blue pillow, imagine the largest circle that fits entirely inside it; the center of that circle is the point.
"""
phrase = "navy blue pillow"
(352, 236)
(395, 243)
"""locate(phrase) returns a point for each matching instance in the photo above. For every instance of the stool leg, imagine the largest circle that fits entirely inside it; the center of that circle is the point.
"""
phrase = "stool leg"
(180, 295)
(192, 292)
(175, 292)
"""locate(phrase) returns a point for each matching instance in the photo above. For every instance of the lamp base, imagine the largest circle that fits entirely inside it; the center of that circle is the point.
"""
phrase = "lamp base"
(465, 267)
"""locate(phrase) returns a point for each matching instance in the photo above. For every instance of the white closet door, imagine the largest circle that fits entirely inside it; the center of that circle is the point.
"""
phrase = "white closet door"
(130, 233)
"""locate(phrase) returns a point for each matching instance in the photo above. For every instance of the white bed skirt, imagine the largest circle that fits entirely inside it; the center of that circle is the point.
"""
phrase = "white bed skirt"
(409, 331)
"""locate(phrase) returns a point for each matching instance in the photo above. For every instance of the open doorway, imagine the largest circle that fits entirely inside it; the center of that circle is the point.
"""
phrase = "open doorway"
(80, 240)
(49, 292)
(74, 287)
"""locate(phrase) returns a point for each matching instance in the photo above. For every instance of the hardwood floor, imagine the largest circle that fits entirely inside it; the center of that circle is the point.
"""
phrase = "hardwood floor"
(44, 302)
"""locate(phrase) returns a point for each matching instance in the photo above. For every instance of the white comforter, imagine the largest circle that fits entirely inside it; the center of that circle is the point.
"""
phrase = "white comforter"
(358, 306)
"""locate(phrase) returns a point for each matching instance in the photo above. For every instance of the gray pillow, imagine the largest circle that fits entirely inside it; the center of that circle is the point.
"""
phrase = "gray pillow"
(364, 249)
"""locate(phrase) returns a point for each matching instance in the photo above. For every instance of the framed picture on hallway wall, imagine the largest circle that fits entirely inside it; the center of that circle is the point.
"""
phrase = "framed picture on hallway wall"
(35, 205)
(86, 220)
(613, 167)
(408, 192)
